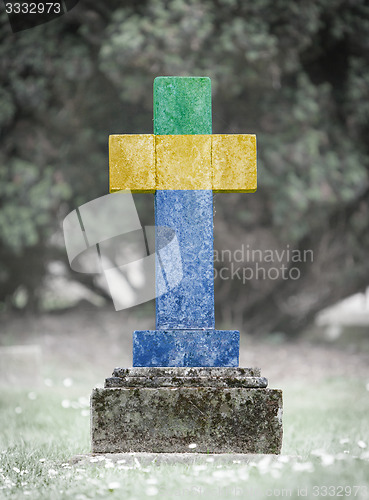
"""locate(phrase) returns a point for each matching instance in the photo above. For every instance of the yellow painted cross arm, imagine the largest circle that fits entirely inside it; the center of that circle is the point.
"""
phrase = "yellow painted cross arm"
(148, 162)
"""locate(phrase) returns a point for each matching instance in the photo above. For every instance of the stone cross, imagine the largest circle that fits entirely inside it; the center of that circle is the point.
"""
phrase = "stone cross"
(185, 391)
(183, 163)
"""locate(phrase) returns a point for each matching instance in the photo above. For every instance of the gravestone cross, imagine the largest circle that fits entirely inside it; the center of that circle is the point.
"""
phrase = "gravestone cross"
(183, 163)
(185, 391)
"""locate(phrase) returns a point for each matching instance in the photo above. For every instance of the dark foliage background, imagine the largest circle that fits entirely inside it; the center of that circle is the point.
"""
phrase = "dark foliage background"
(294, 73)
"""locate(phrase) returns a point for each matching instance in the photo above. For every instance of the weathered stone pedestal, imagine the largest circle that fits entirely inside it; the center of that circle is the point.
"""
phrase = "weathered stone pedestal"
(164, 410)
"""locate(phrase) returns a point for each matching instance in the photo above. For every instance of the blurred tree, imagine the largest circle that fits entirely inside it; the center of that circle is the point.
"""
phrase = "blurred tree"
(296, 74)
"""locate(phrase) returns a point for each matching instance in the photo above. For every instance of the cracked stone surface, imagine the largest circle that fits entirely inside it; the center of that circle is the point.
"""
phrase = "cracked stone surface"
(186, 377)
(198, 371)
(255, 382)
(169, 419)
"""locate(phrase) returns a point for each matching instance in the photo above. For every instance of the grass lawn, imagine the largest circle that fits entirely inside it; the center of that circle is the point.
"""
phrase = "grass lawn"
(325, 451)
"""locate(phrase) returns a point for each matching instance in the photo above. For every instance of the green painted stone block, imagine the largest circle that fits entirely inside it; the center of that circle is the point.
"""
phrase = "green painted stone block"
(182, 105)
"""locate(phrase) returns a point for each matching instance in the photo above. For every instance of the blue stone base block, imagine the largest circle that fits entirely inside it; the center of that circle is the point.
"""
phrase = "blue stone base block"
(186, 348)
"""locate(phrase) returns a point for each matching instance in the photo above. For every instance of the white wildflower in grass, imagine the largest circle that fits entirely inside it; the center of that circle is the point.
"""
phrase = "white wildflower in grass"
(277, 465)
(284, 459)
(8, 483)
(206, 479)
(275, 473)
(220, 474)
(15, 469)
(210, 459)
(109, 465)
(84, 402)
(52, 472)
(151, 480)
(122, 461)
(65, 403)
(94, 459)
(152, 491)
(26, 492)
(199, 467)
(303, 467)
(341, 456)
(24, 483)
(18, 410)
(243, 474)
(344, 440)
(318, 453)
(264, 464)
(327, 460)
(32, 396)
(114, 485)
(192, 446)
(361, 444)
(85, 413)
(67, 382)
(236, 461)
(137, 463)
(42, 460)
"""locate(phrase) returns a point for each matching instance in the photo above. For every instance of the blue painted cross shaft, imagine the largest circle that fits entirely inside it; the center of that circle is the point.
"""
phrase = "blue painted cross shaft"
(185, 332)
(191, 304)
